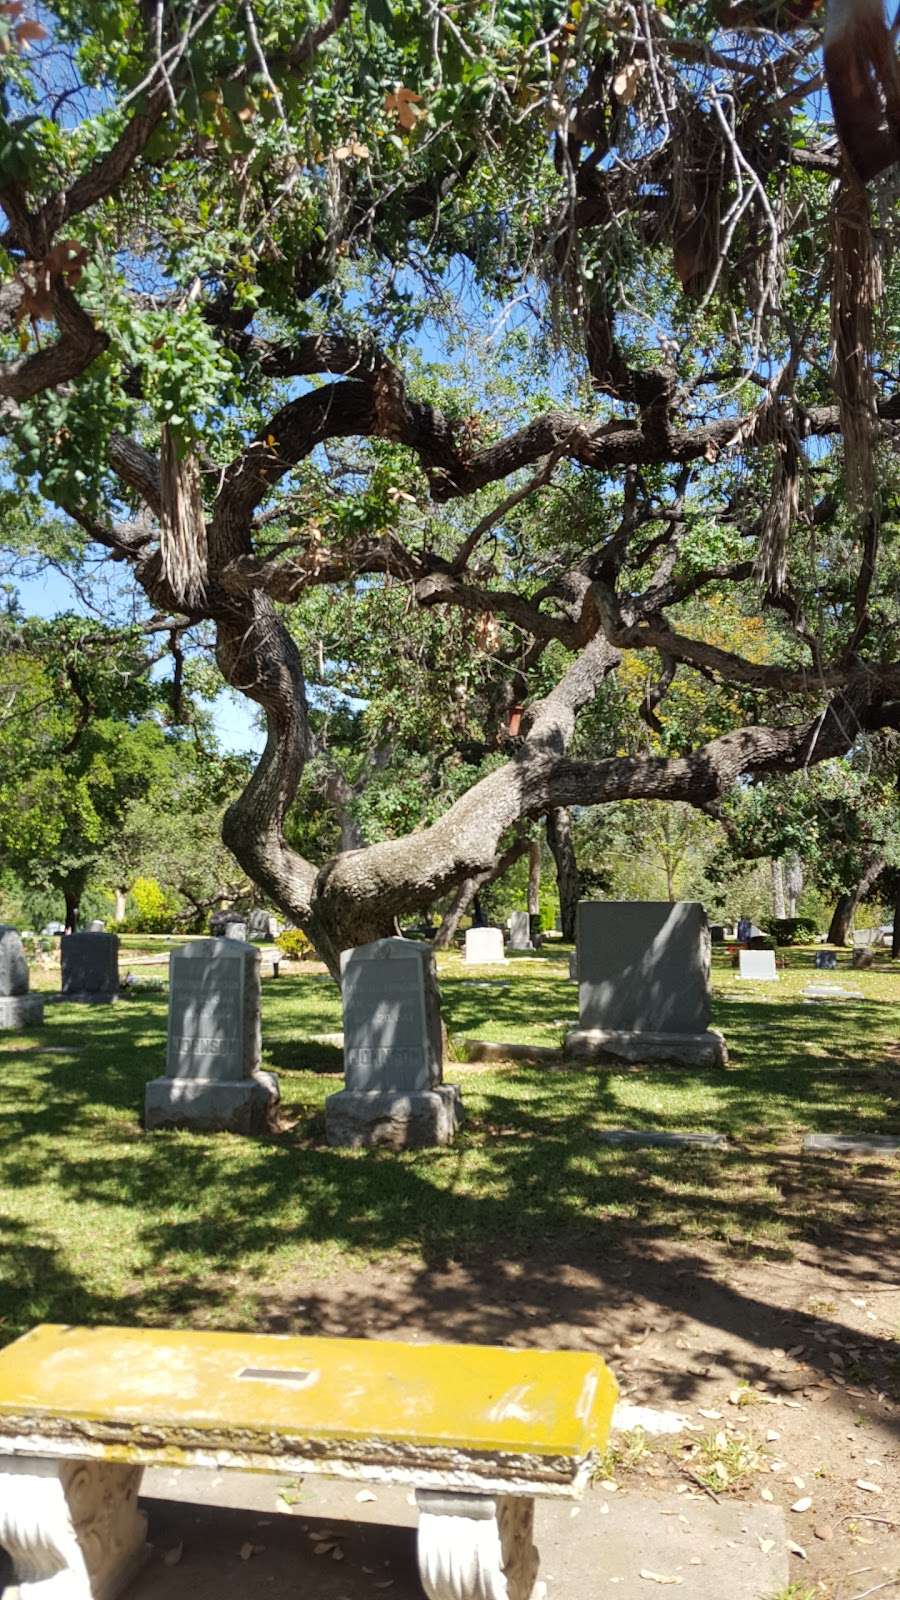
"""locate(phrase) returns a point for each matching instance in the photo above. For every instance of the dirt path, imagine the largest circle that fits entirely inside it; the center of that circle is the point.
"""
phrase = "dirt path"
(789, 1372)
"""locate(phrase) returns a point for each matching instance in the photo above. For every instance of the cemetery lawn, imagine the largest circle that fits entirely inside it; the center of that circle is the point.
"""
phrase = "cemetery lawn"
(102, 1223)
(754, 1289)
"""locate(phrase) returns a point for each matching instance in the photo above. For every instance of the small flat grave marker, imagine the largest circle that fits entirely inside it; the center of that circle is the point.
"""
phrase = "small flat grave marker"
(869, 1144)
(651, 1139)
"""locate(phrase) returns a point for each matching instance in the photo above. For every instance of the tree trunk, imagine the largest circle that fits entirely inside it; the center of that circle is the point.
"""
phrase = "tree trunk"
(534, 878)
(562, 845)
(895, 932)
(72, 899)
(793, 883)
(846, 907)
(779, 911)
(121, 898)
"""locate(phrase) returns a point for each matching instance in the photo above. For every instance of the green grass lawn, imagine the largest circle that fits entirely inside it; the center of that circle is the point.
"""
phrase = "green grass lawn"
(99, 1222)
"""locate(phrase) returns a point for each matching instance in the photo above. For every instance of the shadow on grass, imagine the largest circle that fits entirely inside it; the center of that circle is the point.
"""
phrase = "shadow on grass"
(527, 1221)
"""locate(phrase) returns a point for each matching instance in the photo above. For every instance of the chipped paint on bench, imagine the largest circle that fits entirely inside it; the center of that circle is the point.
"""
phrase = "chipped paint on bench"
(478, 1431)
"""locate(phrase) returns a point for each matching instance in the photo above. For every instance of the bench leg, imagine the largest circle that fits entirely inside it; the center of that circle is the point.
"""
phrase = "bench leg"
(476, 1547)
(72, 1528)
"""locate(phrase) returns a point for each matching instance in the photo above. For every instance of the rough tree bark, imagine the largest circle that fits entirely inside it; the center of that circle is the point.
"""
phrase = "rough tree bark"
(895, 931)
(846, 908)
(562, 847)
(779, 910)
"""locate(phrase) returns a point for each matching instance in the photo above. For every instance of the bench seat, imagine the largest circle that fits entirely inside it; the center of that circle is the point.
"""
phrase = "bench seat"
(477, 1431)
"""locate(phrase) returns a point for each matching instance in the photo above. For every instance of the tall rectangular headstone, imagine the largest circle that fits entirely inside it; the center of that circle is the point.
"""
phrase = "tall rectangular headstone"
(90, 967)
(393, 1051)
(18, 1008)
(483, 946)
(519, 925)
(643, 983)
(213, 1080)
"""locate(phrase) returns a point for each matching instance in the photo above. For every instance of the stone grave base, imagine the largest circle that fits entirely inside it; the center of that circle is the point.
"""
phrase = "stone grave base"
(680, 1049)
(21, 1010)
(395, 1118)
(246, 1106)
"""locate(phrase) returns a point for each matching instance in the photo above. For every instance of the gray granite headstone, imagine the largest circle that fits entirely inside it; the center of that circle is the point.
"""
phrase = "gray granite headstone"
(519, 925)
(97, 926)
(393, 1050)
(18, 1008)
(643, 983)
(90, 966)
(717, 932)
(236, 930)
(826, 959)
(643, 966)
(392, 1016)
(213, 1079)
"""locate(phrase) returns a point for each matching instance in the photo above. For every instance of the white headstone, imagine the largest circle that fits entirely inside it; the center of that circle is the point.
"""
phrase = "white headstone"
(483, 946)
(758, 964)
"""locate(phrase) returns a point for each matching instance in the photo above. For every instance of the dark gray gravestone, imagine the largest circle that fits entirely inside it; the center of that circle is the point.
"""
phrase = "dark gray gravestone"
(826, 959)
(90, 967)
(717, 933)
(643, 983)
(213, 1079)
(393, 1050)
(643, 966)
(18, 1008)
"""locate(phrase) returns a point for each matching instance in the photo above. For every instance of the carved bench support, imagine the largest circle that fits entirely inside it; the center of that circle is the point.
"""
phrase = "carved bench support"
(72, 1528)
(476, 1547)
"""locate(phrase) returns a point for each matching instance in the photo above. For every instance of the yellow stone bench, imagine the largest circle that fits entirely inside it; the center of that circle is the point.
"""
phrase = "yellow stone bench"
(477, 1431)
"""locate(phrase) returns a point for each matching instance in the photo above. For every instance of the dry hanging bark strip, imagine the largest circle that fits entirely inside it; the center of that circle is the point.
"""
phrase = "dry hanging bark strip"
(182, 521)
(856, 288)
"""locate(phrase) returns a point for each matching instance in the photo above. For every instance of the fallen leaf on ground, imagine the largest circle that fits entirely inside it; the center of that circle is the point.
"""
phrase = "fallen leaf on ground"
(248, 1550)
(658, 1577)
(712, 1416)
(766, 1494)
(173, 1556)
(322, 1549)
(870, 1488)
(365, 1495)
(802, 1505)
(824, 1532)
(797, 1550)
(765, 1545)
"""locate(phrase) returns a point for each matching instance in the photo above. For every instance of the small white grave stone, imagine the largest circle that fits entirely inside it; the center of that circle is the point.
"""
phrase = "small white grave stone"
(758, 965)
(484, 946)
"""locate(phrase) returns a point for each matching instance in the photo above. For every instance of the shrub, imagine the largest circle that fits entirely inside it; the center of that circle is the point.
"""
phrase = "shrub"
(295, 945)
(154, 910)
(793, 930)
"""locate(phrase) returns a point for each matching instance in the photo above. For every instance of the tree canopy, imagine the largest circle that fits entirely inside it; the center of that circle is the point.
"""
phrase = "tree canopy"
(519, 377)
